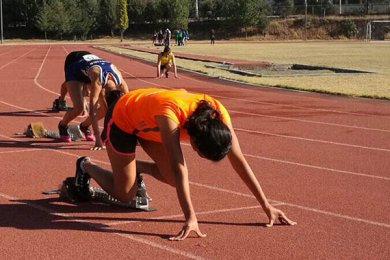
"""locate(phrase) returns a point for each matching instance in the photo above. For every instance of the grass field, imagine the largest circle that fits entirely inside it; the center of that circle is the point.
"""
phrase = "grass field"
(367, 56)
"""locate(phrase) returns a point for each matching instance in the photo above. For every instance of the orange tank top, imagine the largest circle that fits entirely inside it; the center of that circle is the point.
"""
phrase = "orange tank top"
(135, 111)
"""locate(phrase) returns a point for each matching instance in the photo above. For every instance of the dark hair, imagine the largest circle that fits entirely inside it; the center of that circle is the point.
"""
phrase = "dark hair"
(211, 136)
(167, 49)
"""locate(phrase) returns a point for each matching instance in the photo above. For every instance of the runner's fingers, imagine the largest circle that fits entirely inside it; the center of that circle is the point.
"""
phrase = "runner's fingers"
(271, 223)
(285, 220)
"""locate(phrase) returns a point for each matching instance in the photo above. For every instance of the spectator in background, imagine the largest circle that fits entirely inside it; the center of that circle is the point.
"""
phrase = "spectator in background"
(212, 36)
(165, 62)
(186, 36)
(160, 37)
(167, 37)
(155, 37)
(176, 34)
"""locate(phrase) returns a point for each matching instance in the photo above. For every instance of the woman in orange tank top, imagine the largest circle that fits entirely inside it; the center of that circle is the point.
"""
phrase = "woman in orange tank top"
(159, 119)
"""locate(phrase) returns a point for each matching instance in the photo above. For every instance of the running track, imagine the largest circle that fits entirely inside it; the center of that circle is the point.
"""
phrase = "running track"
(324, 160)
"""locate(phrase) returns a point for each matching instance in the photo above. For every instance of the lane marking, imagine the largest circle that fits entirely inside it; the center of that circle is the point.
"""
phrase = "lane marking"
(98, 226)
(298, 206)
(314, 140)
(384, 116)
(198, 213)
(39, 72)
(13, 60)
(311, 121)
(21, 151)
(249, 195)
(247, 155)
(319, 167)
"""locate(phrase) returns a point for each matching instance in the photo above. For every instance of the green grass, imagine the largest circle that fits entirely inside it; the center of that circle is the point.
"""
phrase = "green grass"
(373, 57)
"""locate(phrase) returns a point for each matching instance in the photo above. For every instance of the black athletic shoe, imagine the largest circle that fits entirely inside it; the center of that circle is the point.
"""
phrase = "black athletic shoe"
(69, 192)
(64, 134)
(81, 178)
(60, 105)
(166, 74)
(141, 191)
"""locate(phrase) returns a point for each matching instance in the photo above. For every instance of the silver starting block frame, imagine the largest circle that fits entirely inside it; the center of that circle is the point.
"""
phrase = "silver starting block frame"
(37, 130)
(99, 195)
(141, 203)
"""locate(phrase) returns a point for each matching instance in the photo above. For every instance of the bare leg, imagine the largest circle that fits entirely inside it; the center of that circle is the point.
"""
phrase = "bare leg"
(75, 90)
(63, 91)
(101, 112)
(120, 183)
(160, 167)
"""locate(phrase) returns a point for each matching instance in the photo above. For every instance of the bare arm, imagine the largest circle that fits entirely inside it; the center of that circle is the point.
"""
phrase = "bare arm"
(171, 141)
(158, 66)
(96, 88)
(243, 169)
(174, 65)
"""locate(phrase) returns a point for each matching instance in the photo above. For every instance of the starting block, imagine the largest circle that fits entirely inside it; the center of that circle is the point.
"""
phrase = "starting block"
(99, 195)
(37, 130)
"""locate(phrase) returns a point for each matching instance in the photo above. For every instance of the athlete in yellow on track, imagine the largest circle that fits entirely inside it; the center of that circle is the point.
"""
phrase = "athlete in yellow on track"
(159, 119)
(166, 62)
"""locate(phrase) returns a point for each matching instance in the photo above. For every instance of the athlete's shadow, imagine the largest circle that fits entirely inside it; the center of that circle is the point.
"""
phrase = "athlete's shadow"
(33, 113)
(52, 213)
(49, 214)
(41, 144)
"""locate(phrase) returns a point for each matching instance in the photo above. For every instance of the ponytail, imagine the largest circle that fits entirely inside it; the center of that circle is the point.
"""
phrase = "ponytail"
(210, 134)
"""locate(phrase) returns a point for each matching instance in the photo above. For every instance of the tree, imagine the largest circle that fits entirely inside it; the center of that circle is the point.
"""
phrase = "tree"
(108, 16)
(152, 13)
(123, 18)
(43, 22)
(136, 11)
(82, 16)
(283, 7)
(59, 18)
(248, 13)
(179, 13)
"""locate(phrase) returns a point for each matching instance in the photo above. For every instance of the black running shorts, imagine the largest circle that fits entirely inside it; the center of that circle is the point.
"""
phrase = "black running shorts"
(121, 142)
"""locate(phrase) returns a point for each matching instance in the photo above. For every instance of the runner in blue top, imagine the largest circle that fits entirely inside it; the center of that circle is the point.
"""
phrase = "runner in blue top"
(84, 70)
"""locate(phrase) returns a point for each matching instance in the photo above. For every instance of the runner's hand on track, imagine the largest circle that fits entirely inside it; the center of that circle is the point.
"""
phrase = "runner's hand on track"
(98, 145)
(274, 214)
(186, 230)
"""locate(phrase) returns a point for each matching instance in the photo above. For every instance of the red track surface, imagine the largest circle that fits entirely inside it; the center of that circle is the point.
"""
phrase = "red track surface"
(324, 160)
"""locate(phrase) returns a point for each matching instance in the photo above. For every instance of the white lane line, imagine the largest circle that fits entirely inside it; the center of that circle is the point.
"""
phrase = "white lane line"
(21, 151)
(248, 195)
(311, 121)
(98, 226)
(198, 213)
(12, 61)
(314, 140)
(319, 167)
(39, 72)
(337, 215)
(384, 116)
(244, 130)
(248, 155)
